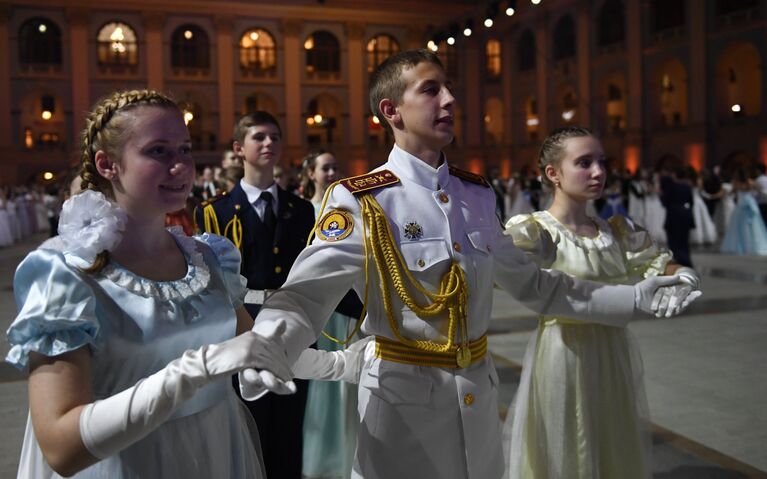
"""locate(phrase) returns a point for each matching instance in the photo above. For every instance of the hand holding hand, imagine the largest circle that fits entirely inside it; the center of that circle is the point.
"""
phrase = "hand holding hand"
(646, 290)
(672, 300)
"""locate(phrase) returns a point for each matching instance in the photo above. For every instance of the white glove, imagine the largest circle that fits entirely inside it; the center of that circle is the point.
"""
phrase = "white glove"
(109, 425)
(672, 300)
(343, 365)
(645, 290)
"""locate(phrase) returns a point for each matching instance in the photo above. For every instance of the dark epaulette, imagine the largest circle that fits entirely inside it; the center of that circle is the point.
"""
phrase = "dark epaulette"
(469, 176)
(214, 199)
(369, 181)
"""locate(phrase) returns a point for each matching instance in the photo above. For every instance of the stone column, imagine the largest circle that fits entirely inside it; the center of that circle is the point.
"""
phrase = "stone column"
(414, 38)
(507, 74)
(79, 58)
(473, 105)
(635, 91)
(5, 79)
(696, 80)
(584, 64)
(293, 49)
(355, 36)
(225, 71)
(542, 71)
(154, 48)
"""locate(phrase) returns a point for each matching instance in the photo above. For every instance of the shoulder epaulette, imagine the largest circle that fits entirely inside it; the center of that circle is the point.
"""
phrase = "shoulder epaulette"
(369, 181)
(214, 199)
(468, 176)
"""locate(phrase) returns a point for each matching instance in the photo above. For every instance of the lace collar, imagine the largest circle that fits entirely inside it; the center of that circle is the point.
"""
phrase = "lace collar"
(602, 240)
(194, 282)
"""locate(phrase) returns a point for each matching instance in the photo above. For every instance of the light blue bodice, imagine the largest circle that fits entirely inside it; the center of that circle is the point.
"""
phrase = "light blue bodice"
(134, 326)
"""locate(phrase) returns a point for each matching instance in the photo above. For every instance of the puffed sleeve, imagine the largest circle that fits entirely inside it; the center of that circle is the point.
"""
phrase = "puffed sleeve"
(643, 256)
(533, 239)
(229, 259)
(57, 308)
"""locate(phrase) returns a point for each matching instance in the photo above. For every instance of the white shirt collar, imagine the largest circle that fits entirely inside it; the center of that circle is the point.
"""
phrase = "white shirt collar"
(416, 170)
(254, 193)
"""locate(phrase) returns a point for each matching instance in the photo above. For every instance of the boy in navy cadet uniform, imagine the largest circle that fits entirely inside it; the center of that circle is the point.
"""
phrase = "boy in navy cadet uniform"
(269, 226)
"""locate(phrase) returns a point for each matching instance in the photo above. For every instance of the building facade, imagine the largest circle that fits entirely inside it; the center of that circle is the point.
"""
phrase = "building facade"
(651, 77)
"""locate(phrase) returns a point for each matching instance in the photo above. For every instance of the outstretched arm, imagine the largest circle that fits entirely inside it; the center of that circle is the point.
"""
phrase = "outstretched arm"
(74, 431)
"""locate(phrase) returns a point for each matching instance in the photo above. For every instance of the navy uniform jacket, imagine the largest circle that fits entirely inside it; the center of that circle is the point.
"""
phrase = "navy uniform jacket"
(265, 265)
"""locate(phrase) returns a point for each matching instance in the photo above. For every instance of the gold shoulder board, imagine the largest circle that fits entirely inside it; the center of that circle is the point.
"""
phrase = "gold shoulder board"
(468, 176)
(369, 181)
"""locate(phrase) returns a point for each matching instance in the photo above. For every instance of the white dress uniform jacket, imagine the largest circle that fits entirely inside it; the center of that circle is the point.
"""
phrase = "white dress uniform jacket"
(417, 421)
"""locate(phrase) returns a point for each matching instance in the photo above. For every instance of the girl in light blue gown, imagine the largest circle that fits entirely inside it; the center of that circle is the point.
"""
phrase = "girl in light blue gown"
(116, 319)
(746, 233)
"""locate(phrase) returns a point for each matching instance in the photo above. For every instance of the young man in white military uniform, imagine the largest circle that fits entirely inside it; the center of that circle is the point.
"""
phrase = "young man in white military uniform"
(420, 243)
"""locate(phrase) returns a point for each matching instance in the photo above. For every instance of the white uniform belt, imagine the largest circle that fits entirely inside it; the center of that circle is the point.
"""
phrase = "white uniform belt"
(257, 296)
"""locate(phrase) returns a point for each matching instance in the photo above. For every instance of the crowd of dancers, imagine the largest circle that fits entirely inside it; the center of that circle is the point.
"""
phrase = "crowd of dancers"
(728, 210)
(26, 211)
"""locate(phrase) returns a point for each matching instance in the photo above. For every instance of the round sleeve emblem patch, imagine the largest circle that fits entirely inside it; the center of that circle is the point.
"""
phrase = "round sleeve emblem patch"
(335, 226)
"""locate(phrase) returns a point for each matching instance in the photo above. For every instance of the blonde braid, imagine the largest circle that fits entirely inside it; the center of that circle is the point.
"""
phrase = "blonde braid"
(102, 133)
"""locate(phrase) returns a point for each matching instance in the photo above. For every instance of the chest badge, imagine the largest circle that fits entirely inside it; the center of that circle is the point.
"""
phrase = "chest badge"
(413, 231)
(335, 226)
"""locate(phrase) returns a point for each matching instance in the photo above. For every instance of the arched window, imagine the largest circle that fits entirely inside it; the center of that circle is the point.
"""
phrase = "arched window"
(612, 23)
(40, 42)
(726, 7)
(323, 55)
(258, 55)
(671, 82)
(190, 48)
(616, 106)
(667, 14)
(493, 58)
(564, 38)
(526, 51)
(116, 44)
(446, 54)
(323, 120)
(380, 48)
(738, 81)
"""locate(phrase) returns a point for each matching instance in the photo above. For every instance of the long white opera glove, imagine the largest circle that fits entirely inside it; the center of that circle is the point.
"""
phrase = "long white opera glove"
(672, 300)
(315, 364)
(646, 290)
(343, 365)
(112, 424)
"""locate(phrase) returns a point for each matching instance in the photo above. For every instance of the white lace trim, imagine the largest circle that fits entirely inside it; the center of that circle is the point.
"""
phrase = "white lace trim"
(602, 241)
(194, 282)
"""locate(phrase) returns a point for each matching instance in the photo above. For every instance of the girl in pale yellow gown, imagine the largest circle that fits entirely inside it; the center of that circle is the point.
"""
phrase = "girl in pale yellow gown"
(581, 411)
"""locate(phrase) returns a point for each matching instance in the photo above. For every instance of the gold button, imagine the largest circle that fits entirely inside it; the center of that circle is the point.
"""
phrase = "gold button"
(443, 197)
(468, 399)
(457, 247)
(278, 269)
(421, 263)
(275, 250)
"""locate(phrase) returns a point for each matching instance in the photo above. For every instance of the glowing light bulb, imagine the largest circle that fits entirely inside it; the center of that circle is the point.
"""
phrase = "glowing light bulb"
(376, 120)
(450, 41)
(47, 115)
(488, 22)
(188, 116)
(188, 34)
(735, 108)
(509, 11)
(318, 118)
(467, 32)
(42, 28)
(254, 36)
(47, 176)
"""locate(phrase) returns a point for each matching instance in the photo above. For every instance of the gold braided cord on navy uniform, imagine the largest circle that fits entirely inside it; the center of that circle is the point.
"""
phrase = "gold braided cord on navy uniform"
(452, 294)
(210, 220)
(235, 224)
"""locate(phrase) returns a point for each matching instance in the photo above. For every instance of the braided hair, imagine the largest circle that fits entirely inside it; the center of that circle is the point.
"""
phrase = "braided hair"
(106, 130)
(554, 144)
